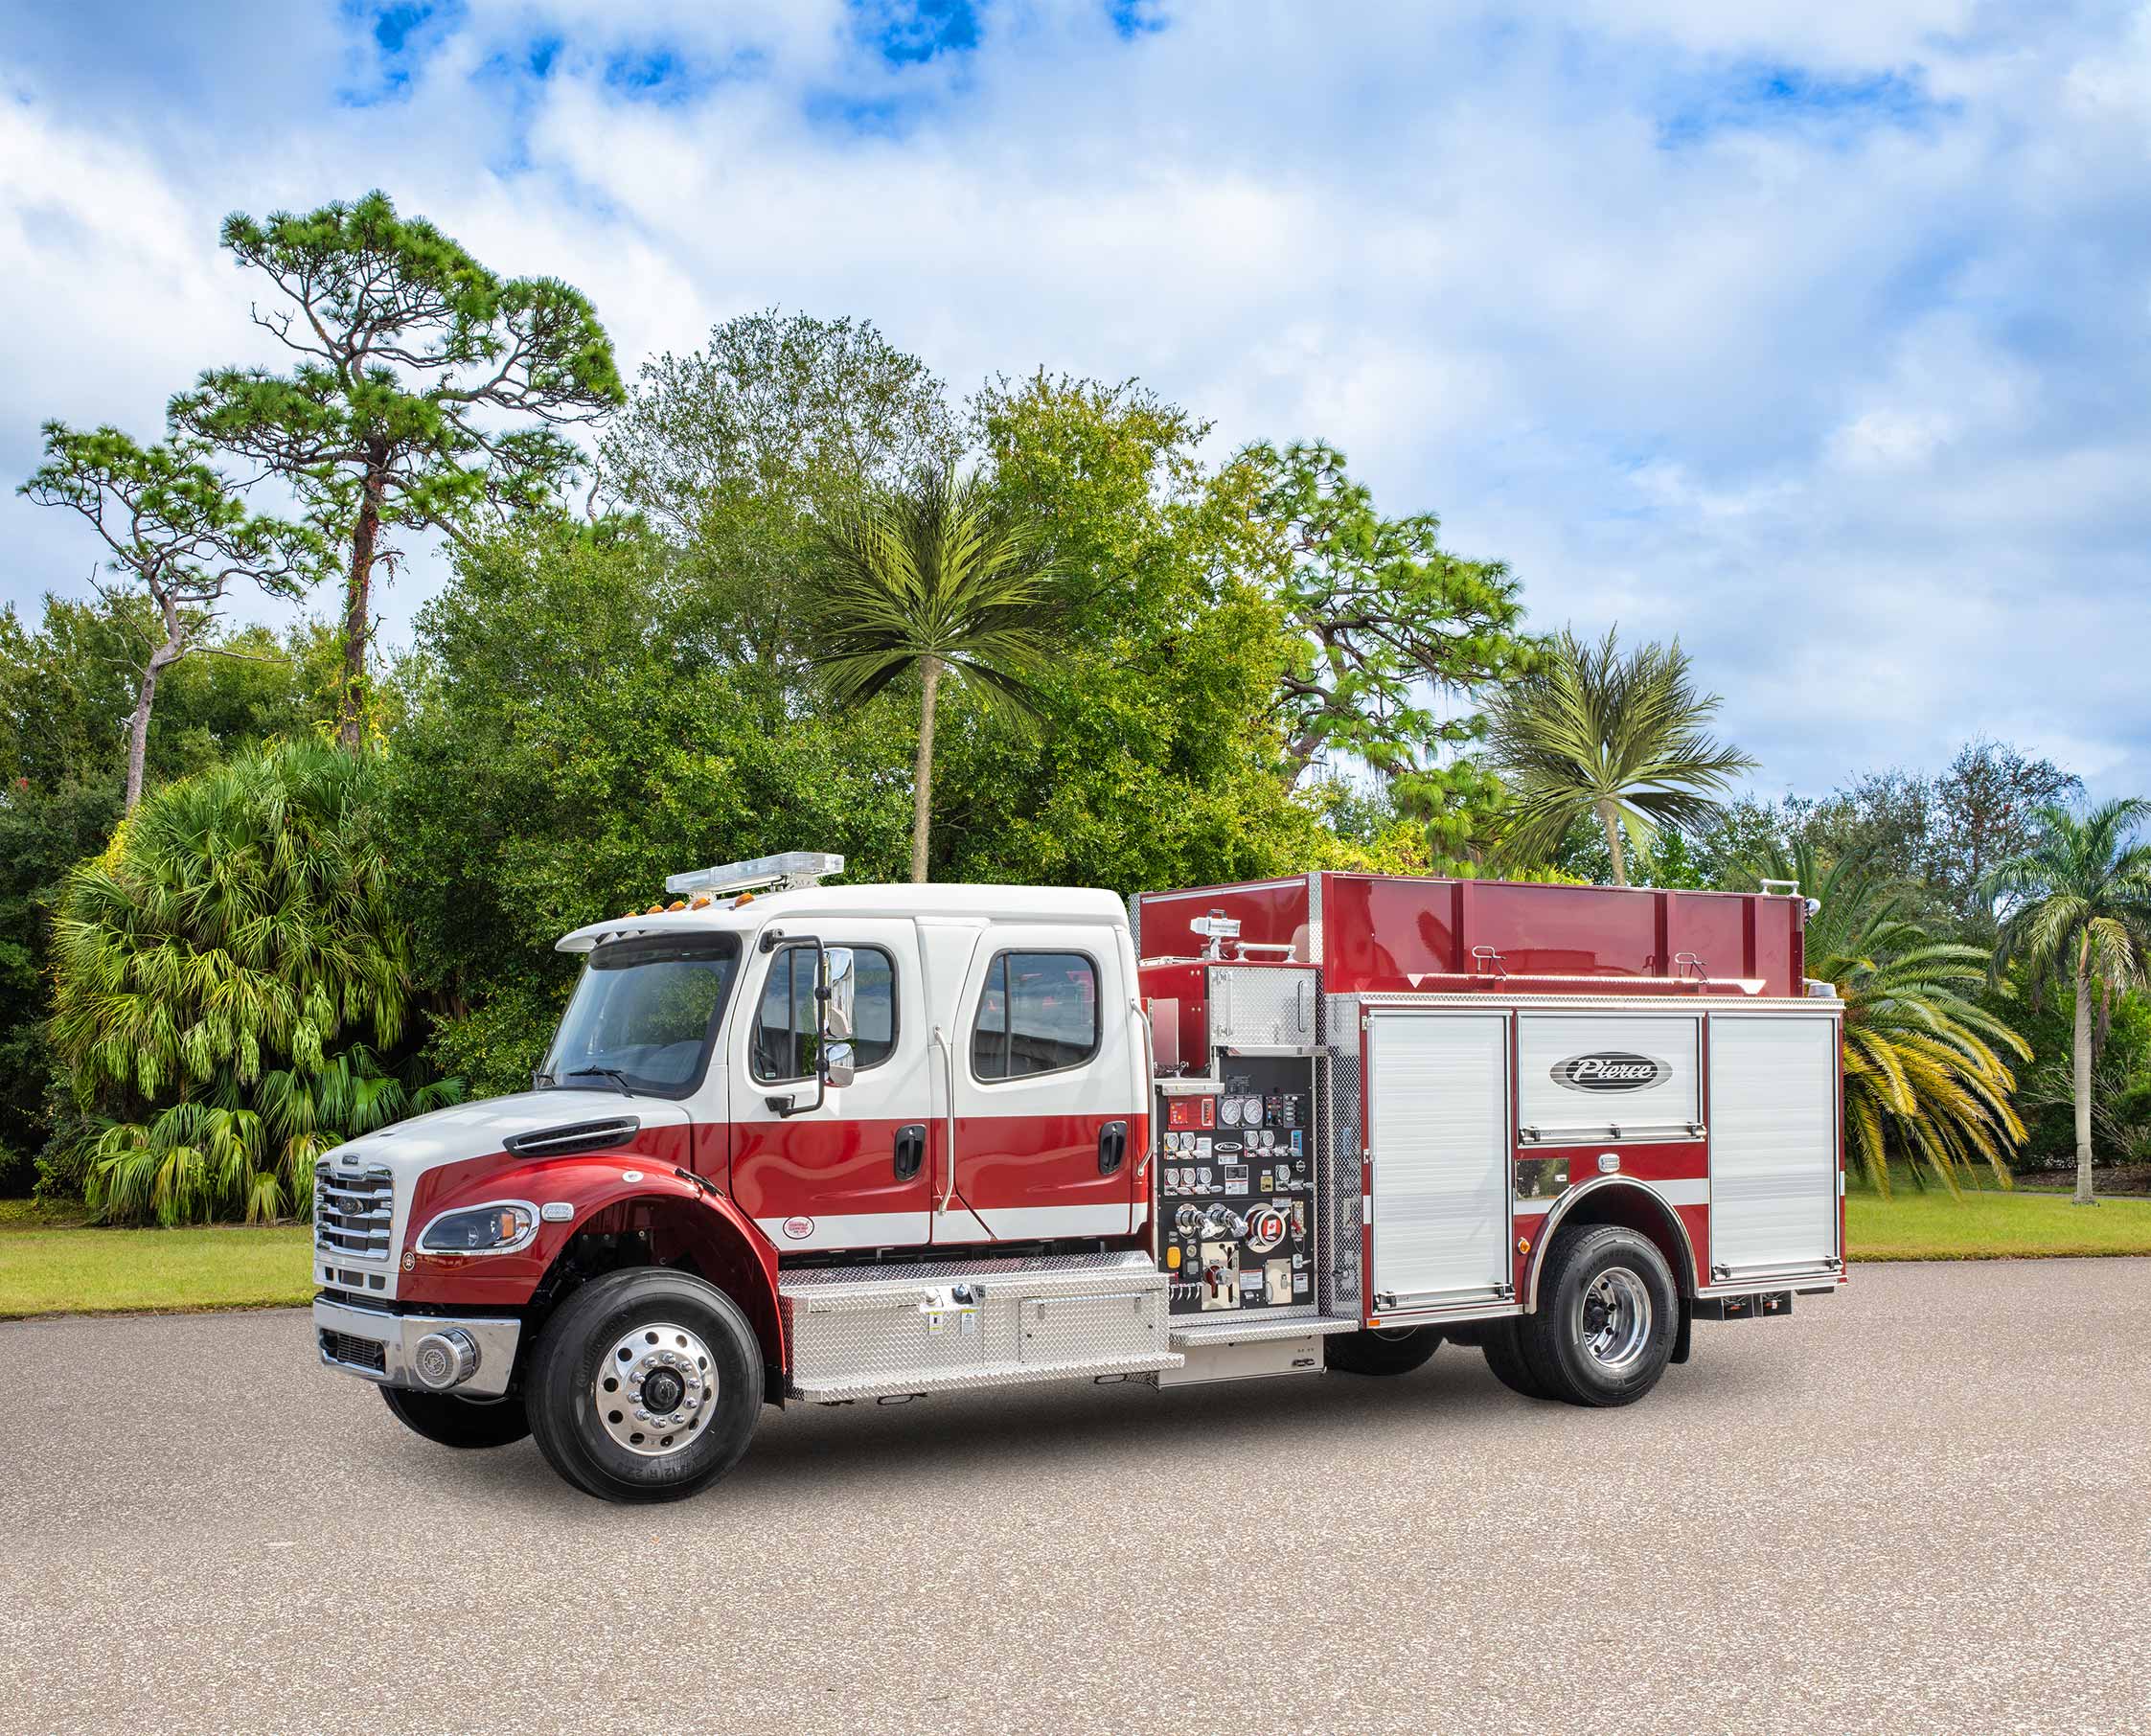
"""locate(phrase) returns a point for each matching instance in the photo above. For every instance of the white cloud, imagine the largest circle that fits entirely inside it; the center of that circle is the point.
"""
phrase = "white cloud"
(1815, 334)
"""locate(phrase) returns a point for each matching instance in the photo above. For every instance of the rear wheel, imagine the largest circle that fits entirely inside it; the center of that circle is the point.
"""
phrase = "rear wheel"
(1607, 1316)
(456, 1422)
(1382, 1350)
(645, 1387)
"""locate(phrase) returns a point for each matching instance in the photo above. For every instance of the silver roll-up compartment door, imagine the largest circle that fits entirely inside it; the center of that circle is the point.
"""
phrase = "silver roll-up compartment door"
(1437, 1120)
(1773, 1144)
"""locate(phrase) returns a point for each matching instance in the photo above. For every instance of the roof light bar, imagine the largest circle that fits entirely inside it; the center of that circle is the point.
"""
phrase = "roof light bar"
(793, 869)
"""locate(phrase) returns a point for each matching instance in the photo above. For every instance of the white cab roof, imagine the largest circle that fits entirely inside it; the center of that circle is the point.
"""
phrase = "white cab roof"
(1086, 904)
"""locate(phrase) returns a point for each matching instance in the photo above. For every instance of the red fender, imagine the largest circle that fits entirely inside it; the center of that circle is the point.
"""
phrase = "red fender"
(642, 1186)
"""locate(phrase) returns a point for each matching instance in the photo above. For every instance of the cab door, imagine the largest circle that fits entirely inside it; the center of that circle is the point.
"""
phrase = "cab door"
(1047, 1109)
(852, 1172)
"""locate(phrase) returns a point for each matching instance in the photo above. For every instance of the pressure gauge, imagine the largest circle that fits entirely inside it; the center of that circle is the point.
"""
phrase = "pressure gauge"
(1250, 1111)
(1228, 1111)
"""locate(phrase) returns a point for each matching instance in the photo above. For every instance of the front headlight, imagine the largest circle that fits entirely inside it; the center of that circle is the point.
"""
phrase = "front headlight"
(499, 1228)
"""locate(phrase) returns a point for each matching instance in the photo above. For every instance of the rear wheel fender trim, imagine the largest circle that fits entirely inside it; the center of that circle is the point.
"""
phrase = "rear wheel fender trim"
(1684, 1273)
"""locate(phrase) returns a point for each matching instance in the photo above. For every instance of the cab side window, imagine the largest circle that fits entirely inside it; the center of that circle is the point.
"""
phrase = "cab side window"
(785, 1040)
(1038, 1014)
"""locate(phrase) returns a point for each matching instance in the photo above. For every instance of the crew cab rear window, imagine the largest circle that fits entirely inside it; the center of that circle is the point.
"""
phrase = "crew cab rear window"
(784, 1030)
(1039, 1015)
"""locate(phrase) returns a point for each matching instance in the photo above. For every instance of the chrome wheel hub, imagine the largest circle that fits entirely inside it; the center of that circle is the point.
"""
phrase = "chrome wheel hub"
(1616, 1319)
(653, 1388)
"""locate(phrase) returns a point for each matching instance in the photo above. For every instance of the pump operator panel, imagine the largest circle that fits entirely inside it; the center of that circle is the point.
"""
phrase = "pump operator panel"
(1236, 1190)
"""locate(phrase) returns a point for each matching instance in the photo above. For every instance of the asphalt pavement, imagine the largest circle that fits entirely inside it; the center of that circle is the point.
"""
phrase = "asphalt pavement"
(1923, 1505)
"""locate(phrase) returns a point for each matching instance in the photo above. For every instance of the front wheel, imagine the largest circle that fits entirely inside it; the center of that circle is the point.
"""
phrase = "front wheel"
(1607, 1319)
(453, 1421)
(645, 1385)
(1393, 1350)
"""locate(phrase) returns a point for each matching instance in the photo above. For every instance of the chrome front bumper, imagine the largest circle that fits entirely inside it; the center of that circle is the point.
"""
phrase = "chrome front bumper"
(379, 1346)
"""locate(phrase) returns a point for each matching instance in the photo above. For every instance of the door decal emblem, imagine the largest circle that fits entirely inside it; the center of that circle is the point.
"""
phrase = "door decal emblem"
(798, 1229)
(1610, 1070)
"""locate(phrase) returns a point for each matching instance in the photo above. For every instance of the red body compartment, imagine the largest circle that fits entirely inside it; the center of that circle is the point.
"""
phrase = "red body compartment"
(1373, 932)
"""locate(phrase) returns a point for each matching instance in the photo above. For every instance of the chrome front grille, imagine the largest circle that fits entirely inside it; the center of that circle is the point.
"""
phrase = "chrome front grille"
(353, 1212)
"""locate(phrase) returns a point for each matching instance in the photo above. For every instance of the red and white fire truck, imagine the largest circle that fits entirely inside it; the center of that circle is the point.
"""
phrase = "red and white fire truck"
(839, 1144)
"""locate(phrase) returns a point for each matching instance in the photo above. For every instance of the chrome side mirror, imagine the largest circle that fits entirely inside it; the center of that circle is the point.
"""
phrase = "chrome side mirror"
(838, 998)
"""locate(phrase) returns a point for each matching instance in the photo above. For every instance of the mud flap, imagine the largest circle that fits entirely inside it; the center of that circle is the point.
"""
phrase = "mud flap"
(1684, 1332)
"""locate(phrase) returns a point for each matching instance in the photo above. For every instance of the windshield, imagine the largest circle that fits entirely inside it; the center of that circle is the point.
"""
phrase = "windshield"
(643, 1016)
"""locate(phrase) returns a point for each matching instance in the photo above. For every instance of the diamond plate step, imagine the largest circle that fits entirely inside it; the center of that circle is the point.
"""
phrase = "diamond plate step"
(1253, 1332)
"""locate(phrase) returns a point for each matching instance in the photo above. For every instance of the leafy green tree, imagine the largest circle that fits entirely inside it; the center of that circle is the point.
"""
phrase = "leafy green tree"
(2078, 906)
(1925, 1080)
(933, 579)
(2045, 1016)
(1623, 739)
(173, 526)
(1986, 810)
(214, 973)
(1393, 632)
(576, 733)
(737, 451)
(67, 690)
(1157, 761)
(427, 390)
(44, 832)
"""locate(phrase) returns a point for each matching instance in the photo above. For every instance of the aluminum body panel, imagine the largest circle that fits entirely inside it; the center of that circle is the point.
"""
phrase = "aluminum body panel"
(398, 1336)
(1559, 1102)
(1267, 1006)
(941, 1325)
(1246, 1360)
(1439, 1151)
(1774, 1147)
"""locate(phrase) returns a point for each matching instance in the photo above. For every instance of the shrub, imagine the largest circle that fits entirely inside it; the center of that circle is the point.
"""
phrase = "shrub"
(228, 976)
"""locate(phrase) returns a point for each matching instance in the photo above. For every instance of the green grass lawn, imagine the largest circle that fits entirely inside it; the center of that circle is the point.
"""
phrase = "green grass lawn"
(49, 1270)
(1989, 1225)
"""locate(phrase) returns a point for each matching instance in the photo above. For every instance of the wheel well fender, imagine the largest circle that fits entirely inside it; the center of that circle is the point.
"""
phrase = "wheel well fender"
(1631, 1204)
(689, 1228)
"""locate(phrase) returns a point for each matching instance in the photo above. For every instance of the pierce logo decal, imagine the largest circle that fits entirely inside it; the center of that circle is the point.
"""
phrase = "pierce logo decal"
(798, 1229)
(1610, 1070)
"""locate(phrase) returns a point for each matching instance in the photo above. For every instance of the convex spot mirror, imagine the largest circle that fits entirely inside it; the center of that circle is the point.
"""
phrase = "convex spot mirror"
(838, 999)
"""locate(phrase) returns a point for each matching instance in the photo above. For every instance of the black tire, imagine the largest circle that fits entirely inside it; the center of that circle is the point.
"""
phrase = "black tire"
(718, 1356)
(1608, 1315)
(1504, 1356)
(1393, 1350)
(456, 1422)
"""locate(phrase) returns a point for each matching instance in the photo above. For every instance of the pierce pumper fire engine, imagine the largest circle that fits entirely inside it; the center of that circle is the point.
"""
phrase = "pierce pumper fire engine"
(804, 1143)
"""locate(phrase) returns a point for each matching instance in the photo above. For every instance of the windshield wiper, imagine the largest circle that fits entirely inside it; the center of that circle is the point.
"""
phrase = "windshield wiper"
(614, 1074)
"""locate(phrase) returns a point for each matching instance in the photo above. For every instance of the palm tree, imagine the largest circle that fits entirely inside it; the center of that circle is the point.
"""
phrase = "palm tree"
(933, 579)
(214, 971)
(1922, 1075)
(1622, 738)
(2078, 906)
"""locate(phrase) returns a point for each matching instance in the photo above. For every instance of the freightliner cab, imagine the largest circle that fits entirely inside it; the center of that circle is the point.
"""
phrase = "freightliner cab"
(796, 1142)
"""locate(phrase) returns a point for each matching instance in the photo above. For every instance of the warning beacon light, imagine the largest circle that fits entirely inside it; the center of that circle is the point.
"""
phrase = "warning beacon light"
(790, 871)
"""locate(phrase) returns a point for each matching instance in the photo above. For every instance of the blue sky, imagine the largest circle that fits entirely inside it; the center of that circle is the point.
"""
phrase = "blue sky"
(1817, 336)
